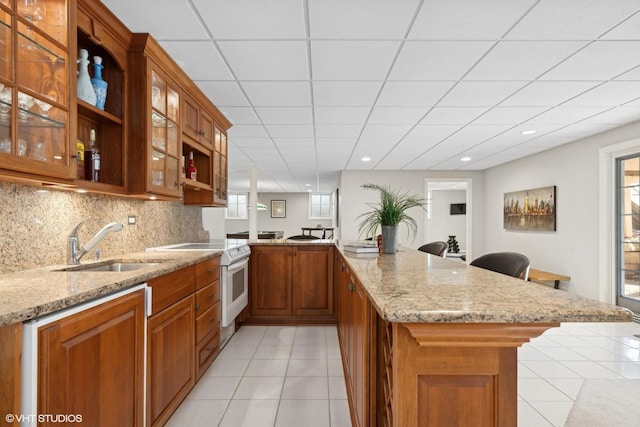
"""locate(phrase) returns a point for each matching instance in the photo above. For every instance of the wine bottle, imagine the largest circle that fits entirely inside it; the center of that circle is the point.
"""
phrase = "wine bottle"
(191, 169)
(92, 159)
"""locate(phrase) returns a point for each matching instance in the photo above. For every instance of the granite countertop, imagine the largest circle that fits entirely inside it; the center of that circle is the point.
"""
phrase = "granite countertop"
(412, 286)
(32, 293)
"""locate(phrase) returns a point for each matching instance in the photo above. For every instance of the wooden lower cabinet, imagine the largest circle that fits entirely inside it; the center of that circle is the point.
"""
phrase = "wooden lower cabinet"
(91, 363)
(10, 367)
(170, 359)
(291, 284)
(356, 340)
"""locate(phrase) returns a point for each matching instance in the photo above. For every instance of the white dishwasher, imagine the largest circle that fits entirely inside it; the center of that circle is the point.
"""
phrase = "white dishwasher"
(29, 407)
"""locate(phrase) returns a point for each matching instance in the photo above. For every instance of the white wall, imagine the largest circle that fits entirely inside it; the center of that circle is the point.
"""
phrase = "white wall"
(442, 224)
(574, 248)
(297, 216)
(354, 200)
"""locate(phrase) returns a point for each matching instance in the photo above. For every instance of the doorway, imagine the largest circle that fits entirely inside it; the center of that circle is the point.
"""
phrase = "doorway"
(628, 232)
(449, 213)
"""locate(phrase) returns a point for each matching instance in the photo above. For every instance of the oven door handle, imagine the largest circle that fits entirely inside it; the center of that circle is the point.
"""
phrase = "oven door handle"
(238, 265)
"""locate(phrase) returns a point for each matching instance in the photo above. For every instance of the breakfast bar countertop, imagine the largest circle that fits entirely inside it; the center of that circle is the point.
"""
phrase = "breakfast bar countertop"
(412, 286)
(32, 293)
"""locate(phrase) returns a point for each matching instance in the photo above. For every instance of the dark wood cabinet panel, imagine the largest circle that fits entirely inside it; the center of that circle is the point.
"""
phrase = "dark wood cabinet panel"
(10, 367)
(95, 354)
(313, 280)
(271, 279)
(170, 359)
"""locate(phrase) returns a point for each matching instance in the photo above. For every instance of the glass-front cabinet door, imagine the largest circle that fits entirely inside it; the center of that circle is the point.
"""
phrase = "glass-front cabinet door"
(165, 134)
(34, 97)
(220, 166)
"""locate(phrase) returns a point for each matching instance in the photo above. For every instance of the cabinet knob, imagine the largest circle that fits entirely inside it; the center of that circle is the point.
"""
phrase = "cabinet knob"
(212, 296)
(352, 287)
(196, 306)
(212, 349)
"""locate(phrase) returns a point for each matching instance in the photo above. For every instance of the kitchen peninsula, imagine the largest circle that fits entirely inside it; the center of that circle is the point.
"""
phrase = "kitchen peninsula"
(421, 336)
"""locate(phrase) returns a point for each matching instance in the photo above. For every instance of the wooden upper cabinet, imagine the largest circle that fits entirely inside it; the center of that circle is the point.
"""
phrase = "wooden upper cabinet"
(103, 35)
(196, 122)
(35, 92)
(154, 152)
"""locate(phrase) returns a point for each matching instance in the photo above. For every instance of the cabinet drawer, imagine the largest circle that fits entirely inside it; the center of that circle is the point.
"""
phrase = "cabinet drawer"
(171, 288)
(207, 271)
(207, 350)
(207, 296)
(208, 321)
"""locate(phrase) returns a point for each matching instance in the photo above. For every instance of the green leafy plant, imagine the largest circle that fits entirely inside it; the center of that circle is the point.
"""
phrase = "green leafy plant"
(391, 210)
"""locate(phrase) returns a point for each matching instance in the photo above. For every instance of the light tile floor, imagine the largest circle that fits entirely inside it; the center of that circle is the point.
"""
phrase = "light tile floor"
(279, 376)
(273, 376)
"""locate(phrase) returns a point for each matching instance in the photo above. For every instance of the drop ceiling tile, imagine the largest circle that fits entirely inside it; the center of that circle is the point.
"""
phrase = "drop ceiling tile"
(223, 94)
(472, 135)
(147, 17)
(412, 94)
(360, 19)
(522, 60)
(392, 133)
(290, 131)
(345, 94)
(453, 115)
(240, 115)
(245, 19)
(402, 154)
(480, 94)
(508, 115)
(571, 19)
(307, 143)
(199, 59)
(352, 60)
(630, 75)
(609, 94)
(601, 60)
(581, 130)
(565, 115)
(465, 20)
(338, 131)
(616, 116)
(628, 30)
(547, 94)
(249, 142)
(267, 60)
(417, 58)
(285, 115)
(341, 115)
(397, 115)
(278, 94)
(433, 133)
(247, 131)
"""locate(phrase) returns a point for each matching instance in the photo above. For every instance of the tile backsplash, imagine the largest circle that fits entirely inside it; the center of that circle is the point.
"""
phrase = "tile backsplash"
(35, 223)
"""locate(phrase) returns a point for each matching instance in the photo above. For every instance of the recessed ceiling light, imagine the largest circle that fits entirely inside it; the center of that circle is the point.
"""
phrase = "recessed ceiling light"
(366, 159)
(465, 159)
(528, 132)
(307, 185)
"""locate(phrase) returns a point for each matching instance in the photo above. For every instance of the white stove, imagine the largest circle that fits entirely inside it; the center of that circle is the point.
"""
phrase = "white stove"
(234, 250)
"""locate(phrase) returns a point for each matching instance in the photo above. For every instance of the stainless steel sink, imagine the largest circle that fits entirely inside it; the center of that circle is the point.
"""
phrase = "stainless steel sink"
(115, 266)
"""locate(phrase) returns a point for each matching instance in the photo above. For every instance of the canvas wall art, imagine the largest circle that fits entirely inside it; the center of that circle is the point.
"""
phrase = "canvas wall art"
(531, 210)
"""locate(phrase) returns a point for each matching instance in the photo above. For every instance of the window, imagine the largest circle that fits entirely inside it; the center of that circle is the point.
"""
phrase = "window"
(320, 206)
(237, 206)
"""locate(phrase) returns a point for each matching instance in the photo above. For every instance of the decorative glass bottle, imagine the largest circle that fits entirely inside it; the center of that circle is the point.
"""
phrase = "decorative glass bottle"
(85, 88)
(99, 85)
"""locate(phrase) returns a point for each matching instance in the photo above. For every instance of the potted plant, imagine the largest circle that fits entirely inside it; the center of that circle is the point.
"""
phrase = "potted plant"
(388, 214)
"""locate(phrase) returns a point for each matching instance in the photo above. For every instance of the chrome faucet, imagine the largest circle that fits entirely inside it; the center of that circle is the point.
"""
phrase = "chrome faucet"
(75, 252)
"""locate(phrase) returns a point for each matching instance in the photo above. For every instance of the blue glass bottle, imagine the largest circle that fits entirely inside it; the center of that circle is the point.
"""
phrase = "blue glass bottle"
(99, 85)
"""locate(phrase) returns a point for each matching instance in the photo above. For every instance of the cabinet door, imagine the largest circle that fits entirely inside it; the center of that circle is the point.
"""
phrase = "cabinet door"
(190, 117)
(220, 160)
(271, 277)
(359, 349)
(206, 129)
(313, 280)
(34, 92)
(170, 359)
(92, 363)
